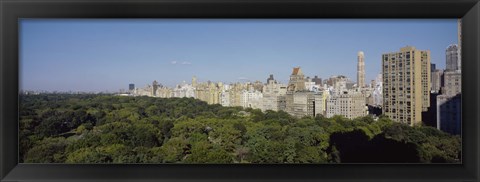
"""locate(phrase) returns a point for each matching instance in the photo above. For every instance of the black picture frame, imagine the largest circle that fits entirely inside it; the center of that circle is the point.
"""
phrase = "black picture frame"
(12, 10)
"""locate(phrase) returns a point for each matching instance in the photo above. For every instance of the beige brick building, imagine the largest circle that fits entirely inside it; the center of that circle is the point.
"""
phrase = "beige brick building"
(348, 104)
(406, 84)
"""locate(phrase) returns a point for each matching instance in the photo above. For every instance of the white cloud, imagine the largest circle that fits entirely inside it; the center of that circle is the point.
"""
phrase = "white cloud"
(182, 63)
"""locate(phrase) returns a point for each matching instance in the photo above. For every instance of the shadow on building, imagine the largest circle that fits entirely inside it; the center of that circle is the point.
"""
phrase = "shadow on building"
(429, 117)
(374, 110)
(449, 116)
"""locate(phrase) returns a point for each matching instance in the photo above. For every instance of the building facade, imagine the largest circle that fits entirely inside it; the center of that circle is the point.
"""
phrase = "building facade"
(449, 104)
(304, 103)
(131, 87)
(349, 104)
(452, 58)
(297, 80)
(406, 84)
(437, 81)
(449, 113)
(361, 69)
(272, 93)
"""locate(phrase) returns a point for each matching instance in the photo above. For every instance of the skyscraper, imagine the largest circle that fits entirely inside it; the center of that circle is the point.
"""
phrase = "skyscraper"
(131, 87)
(449, 104)
(360, 69)
(194, 81)
(452, 57)
(459, 39)
(406, 84)
(437, 81)
(154, 88)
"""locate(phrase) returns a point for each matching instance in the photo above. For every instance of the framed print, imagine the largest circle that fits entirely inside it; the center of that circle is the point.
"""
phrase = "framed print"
(239, 90)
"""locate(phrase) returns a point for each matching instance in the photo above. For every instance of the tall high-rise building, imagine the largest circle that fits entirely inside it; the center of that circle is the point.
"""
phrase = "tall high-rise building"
(437, 81)
(131, 87)
(452, 57)
(194, 81)
(406, 84)
(361, 69)
(378, 91)
(459, 39)
(154, 87)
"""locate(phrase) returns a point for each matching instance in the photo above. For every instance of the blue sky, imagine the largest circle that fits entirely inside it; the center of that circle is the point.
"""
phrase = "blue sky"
(107, 55)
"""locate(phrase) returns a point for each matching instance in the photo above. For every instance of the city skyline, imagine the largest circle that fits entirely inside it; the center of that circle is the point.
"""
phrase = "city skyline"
(100, 55)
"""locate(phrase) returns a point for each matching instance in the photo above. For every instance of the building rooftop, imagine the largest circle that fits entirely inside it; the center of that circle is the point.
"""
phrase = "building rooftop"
(297, 71)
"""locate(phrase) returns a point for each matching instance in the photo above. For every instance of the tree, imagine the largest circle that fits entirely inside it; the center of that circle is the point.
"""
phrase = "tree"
(48, 150)
(175, 149)
(114, 129)
(204, 152)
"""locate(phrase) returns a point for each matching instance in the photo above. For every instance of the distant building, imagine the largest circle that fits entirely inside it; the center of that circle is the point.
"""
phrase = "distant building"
(235, 94)
(155, 86)
(406, 84)
(459, 38)
(429, 117)
(449, 115)
(349, 104)
(252, 99)
(304, 103)
(194, 81)
(184, 90)
(377, 93)
(317, 80)
(225, 99)
(208, 92)
(146, 91)
(272, 93)
(257, 85)
(372, 84)
(452, 58)
(270, 78)
(437, 81)
(452, 82)
(360, 69)
(332, 81)
(297, 80)
(165, 92)
(449, 104)
(350, 85)
(131, 86)
(310, 85)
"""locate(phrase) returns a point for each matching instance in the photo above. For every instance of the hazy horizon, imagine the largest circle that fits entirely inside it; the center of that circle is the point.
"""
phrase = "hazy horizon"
(100, 55)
